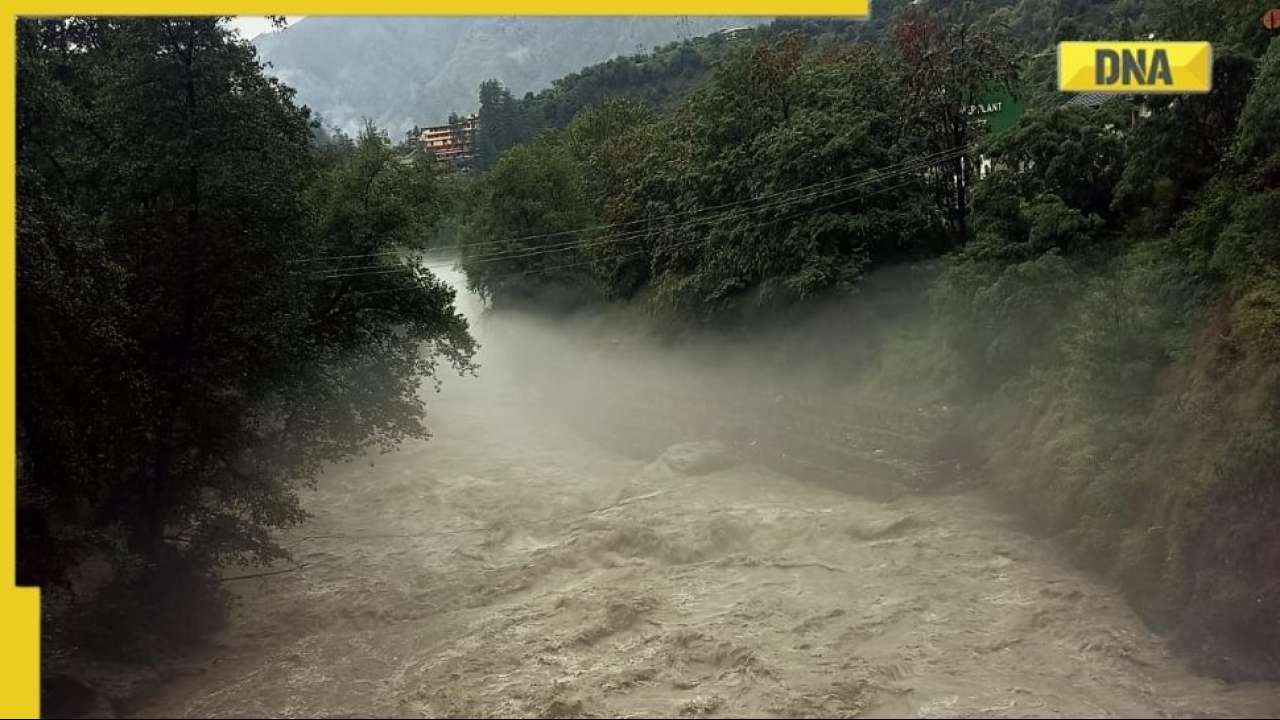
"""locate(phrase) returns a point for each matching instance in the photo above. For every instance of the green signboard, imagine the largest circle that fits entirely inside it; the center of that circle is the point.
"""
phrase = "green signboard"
(996, 111)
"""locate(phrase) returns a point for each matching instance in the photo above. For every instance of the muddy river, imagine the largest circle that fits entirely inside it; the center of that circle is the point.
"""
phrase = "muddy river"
(511, 567)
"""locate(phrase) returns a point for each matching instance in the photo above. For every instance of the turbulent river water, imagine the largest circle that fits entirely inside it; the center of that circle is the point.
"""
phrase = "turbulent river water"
(510, 567)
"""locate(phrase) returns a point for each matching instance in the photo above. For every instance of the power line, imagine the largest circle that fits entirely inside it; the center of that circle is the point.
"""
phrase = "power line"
(802, 189)
(858, 178)
(878, 175)
(625, 236)
(869, 178)
(926, 159)
(694, 241)
(684, 243)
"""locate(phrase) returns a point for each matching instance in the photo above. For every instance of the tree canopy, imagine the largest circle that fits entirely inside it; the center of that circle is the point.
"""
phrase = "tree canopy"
(211, 304)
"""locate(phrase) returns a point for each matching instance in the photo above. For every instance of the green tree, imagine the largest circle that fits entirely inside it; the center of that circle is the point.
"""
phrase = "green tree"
(500, 123)
(521, 241)
(946, 63)
(675, 193)
(190, 351)
(824, 121)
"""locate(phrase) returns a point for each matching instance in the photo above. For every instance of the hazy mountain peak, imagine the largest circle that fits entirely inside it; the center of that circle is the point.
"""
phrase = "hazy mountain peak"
(406, 71)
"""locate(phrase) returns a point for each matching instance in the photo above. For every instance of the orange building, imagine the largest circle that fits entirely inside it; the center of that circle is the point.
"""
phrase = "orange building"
(455, 144)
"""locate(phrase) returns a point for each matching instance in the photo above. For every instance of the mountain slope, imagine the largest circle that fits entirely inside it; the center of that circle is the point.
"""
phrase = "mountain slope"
(406, 71)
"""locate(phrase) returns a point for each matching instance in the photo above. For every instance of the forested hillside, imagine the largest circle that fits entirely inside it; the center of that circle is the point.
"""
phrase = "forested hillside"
(401, 72)
(659, 80)
(1102, 282)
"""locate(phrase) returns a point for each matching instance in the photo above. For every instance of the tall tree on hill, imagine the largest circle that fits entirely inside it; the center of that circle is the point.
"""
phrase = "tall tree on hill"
(500, 125)
(946, 66)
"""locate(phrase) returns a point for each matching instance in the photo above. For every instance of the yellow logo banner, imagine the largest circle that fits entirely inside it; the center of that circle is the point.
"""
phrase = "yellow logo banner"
(1135, 67)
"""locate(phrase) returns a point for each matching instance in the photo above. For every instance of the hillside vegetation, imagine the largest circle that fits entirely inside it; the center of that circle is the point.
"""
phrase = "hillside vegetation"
(1102, 303)
(658, 80)
(212, 306)
(401, 72)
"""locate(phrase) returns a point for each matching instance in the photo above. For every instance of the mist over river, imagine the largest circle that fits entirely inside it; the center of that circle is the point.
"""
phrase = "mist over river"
(514, 565)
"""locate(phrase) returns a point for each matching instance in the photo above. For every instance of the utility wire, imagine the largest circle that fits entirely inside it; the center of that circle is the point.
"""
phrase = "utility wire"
(927, 160)
(684, 243)
(877, 176)
(800, 189)
(883, 175)
(410, 269)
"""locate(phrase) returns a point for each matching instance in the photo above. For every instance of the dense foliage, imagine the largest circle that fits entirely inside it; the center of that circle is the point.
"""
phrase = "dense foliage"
(1104, 279)
(189, 347)
(664, 188)
(658, 80)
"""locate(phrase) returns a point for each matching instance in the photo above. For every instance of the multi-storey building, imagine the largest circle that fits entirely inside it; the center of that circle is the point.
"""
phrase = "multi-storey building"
(454, 143)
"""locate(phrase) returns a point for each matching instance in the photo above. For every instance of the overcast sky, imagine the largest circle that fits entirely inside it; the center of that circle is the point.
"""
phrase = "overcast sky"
(251, 26)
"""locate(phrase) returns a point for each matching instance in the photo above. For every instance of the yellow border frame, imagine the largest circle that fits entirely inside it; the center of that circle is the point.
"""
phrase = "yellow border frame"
(20, 606)
(773, 8)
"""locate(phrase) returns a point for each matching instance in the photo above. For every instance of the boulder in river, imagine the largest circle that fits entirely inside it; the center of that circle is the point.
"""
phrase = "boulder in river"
(877, 526)
(697, 458)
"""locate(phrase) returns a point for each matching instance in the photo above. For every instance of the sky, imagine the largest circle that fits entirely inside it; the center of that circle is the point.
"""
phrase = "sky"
(251, 26)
